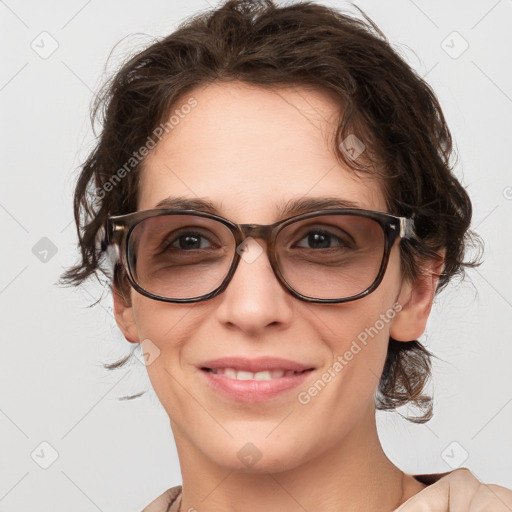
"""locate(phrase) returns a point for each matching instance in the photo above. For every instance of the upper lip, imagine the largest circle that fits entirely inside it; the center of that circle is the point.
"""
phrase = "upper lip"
(255, 365)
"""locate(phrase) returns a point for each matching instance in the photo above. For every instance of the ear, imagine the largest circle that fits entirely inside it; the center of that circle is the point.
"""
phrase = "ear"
(123, 313)
(416, 299)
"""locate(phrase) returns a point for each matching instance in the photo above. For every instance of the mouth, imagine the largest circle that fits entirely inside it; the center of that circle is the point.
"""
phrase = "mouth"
(246, 375)
(254, 380)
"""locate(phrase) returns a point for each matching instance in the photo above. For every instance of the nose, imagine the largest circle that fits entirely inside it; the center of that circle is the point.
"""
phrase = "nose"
(254, 299)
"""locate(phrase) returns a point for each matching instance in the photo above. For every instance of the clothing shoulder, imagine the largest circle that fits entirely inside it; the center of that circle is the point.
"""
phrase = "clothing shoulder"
(168, 501)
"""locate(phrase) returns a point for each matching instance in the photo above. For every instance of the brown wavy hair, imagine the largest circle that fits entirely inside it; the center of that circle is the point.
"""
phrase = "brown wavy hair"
(384, 101)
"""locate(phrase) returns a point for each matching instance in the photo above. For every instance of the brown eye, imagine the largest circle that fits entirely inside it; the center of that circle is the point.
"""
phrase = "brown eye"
(322, 239)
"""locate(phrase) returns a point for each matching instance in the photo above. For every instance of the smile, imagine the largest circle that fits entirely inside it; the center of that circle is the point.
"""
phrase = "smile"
(246, 375)
(250, 387)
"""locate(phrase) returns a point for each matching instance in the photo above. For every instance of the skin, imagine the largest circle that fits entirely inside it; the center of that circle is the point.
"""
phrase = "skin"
(249, 149)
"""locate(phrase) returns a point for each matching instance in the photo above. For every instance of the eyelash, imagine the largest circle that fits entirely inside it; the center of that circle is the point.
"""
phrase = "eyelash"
(199, 235)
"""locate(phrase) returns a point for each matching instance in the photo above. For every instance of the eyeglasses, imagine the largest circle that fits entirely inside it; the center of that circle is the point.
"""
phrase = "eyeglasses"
(324, 256)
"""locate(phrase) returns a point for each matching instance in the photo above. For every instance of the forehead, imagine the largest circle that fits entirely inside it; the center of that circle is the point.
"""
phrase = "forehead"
(250, 149)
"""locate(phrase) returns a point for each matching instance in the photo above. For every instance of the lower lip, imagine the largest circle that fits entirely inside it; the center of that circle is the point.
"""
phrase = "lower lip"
(253, 390)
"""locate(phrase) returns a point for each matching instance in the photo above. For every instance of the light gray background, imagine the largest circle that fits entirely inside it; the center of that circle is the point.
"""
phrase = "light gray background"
(118, 455)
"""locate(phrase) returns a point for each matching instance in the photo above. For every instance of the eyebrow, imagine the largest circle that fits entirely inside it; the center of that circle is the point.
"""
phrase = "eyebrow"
(290, 207)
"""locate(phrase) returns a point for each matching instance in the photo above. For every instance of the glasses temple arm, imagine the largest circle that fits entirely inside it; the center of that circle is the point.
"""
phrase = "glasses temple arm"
(407, 227)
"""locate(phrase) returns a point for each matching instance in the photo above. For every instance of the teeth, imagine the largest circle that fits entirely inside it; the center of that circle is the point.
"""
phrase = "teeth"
(244, 375)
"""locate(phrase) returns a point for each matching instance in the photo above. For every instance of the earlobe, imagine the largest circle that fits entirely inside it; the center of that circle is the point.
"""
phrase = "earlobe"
(416, 299)
(123, 313)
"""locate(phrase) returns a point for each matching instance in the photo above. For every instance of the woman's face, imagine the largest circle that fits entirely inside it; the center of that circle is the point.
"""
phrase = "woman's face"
(250, 150)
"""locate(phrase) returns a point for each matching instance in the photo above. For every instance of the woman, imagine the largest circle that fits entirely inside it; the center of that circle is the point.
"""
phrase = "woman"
(273, 185)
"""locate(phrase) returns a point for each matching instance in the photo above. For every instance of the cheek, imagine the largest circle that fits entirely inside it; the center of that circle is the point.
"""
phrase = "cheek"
(357, 334)
(360, 350)
(162, 328)
(358, 327)
(161, 322)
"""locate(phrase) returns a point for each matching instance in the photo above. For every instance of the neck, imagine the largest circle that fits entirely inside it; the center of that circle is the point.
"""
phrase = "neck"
(354, 475)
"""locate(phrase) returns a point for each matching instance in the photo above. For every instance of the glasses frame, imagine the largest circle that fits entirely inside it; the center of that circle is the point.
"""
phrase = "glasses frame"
(118, 229)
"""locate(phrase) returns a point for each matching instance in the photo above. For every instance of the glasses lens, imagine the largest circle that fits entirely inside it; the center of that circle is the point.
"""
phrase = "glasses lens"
(180, 256)
(332, 256)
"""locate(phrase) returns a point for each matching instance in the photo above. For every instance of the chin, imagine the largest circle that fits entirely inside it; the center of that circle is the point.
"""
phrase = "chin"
(261, 467)
(257, 458)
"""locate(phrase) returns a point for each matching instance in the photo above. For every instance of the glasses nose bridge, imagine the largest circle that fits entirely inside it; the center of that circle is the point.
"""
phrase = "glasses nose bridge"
(257, 231)
(263, 232)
